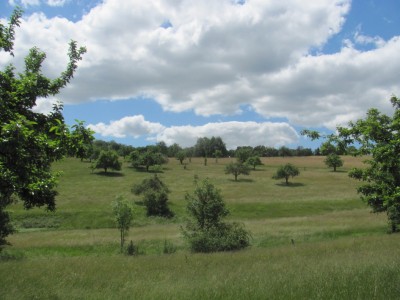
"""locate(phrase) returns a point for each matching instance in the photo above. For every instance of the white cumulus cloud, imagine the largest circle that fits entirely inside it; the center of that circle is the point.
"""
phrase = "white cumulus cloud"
(134, 126)
(215, 57)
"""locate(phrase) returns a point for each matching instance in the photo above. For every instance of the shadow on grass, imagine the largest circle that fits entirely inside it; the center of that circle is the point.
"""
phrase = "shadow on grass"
(338, 171)
(150, 171)
(291, 184)
(242, 180)
(110, 174)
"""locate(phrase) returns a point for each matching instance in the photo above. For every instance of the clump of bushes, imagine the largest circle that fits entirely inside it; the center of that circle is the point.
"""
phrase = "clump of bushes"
(155, 196)
(205, 231)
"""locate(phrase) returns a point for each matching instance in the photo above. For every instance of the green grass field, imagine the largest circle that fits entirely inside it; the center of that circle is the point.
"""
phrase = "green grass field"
(339, 250)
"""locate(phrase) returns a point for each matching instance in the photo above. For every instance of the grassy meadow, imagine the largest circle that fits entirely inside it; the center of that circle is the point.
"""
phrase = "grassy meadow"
(313, 239)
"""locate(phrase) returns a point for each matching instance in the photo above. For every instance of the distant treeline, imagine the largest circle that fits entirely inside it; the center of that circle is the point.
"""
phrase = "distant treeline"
(212, 147)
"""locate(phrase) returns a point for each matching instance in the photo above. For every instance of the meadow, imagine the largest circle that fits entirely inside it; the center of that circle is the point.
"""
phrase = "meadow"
(313, 239)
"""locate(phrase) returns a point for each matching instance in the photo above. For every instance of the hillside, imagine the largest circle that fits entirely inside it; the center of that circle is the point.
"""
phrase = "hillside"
(312, 239)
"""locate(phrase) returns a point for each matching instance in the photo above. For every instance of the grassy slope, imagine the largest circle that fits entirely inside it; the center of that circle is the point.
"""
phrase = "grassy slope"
(340, 251)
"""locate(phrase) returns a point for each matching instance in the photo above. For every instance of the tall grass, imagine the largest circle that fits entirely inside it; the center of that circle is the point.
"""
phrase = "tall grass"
(313, 239)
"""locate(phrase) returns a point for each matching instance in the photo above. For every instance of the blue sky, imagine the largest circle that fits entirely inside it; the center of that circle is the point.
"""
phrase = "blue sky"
(254, 72)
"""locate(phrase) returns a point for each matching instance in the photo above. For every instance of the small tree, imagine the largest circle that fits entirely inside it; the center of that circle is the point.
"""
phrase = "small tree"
(181, 155)
(237, 169)
(108, 159)
(254, 161)
(205, 231)
(123, 212)
(333, 161)
(217, 154)
(243, 153)
(286, 171)
(155, 196)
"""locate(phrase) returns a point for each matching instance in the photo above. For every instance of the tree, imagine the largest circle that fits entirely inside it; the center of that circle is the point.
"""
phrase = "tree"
(30, 142)
(108, 159)
(237, 169)
(181, 155)
(205, 231)
(284, 151)
(123, 212)
(254, 161)
(333, 161)
(155, 194)
(217, 154)
(243, 153)
(81, 140)
(286, 171)
(378, 136)
(147, 159)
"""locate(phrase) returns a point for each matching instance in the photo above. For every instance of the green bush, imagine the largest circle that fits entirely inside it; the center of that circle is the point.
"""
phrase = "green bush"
(206, 232)
(169, 247)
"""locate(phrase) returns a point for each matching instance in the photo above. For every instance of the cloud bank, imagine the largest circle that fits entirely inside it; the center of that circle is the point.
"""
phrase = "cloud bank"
(214, 57)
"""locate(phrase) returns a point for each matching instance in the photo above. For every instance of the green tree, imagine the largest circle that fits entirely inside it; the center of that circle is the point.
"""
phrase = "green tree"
(181, 155)
(286, 171)
(30, 142)
(254, 161)
(333, 161)
(108, 159)
(217, 154)
(243, 153)
(206, 231)
(236, 169)
(123, 213)
(155, 194)
(378, 136)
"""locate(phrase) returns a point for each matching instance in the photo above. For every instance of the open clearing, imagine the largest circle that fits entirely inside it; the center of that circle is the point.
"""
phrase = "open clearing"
(313, 239)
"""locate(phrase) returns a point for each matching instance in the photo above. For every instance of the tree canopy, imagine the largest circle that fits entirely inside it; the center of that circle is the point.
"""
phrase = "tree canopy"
(286, 171)
(378, 135)
(31, 141)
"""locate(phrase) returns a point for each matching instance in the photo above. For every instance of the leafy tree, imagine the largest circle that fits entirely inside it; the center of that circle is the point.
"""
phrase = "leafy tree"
(173, 150)
(123, 212)
(254, 161)
(181, 155)
(286, 171)
(217, 154)
(284, 151)
(155, 194)
(327, 148)
(237, 169)
(243, 153)
(108, 159)
(205, 231)
(81, 140)
(333, 161)
(147, 158)
(378, 136)
(30, 142)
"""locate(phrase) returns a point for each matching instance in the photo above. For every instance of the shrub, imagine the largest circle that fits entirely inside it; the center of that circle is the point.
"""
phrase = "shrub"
(206, 232)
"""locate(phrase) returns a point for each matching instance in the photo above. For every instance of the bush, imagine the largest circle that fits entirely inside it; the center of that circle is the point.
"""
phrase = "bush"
(155, 196)
(206, 232)
(226, 237)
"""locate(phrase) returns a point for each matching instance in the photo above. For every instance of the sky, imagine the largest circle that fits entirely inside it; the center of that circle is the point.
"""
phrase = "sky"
(253, 72)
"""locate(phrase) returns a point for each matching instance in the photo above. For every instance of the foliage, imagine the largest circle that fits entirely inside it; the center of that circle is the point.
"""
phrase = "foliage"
(181, 155)
(206, 232)
(108, 159)
(29, 141)
(286, 171)
(147, 159)
(242, 154)
(123, 213)
(169, 247)
(333, 161)
(379, 137)
(217, 154)
(254, 161)
(236, 169)
(155, 196)
(207, 146)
